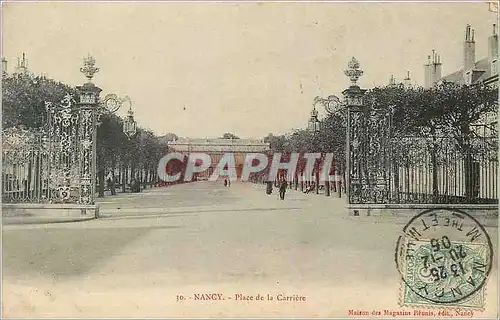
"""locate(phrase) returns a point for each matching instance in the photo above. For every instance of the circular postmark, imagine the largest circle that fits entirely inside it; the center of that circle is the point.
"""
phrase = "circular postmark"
(444, 256)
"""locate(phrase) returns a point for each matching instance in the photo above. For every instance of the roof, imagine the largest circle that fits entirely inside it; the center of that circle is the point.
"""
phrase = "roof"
(219, 145)
(224, 142)
(482, 72)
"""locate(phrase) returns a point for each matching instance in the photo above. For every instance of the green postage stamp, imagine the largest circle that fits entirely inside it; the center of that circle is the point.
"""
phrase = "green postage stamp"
(444, 258)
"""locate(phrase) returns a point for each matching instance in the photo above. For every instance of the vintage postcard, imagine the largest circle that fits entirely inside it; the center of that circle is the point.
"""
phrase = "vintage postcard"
(271, 159)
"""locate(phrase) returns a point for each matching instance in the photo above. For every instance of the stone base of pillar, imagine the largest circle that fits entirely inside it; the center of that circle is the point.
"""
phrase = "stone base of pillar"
(17, 213)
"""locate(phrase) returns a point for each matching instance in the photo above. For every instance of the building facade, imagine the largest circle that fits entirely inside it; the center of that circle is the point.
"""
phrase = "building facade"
(483, 71)
(475, 71)
(20, 68)
(216, 148)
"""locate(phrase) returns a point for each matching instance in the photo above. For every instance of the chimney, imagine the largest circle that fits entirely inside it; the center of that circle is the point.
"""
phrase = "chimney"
(469, 49)
(427, 75)
(493, 51)
(22, 65)
(392, 81)
(407, 80)
(432, 70)
(436, 69)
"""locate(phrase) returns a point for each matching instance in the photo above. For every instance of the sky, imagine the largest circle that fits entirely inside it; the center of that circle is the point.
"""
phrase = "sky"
(236, 67)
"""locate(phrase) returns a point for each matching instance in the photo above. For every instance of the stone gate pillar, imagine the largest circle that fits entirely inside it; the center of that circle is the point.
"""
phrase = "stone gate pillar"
(356, 136)
(88, 103)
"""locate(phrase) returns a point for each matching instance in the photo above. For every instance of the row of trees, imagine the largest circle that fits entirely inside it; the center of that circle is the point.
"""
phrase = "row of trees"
(447, 109)
(442, 123)
(23, 100)
(126, 160)
(121, 161)
(446, 112)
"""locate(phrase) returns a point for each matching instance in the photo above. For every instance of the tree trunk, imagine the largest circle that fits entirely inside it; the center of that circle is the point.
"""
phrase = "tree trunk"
(132, 173)
(317, 180)
(124, 178)
(146, 177)
(342, 183)
(113, 179)
(396, 183)
(334, 186)
(101, 174)
(155, 178)
(471, 171)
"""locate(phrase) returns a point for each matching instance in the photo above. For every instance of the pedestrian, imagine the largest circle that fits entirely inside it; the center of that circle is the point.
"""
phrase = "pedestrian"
(269, 187)
(283, 187)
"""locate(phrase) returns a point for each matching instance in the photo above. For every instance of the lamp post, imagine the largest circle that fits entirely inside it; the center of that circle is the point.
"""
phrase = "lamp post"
(332, 107)
(314, 126)
(130, 126)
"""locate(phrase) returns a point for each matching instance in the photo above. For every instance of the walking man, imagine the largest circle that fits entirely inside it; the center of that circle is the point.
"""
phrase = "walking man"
(269, 187)
(283, 187)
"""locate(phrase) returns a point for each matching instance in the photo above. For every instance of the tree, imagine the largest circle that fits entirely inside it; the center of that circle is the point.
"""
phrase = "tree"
(24, 97)
(276, 143)
(430, 120)
(168, 137)
(228, 135)
(23, 100)
(110, 142)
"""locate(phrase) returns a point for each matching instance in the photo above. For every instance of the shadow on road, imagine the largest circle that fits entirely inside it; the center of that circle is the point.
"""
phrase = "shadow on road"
(66, 252)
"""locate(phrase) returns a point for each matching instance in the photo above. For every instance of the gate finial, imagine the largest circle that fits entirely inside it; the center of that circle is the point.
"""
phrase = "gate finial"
(89, 68)
(353, 71)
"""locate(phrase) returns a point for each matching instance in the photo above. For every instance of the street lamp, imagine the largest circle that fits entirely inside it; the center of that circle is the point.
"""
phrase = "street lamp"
(113, 103)
(130, 126)
(314, 126)
(333, 107)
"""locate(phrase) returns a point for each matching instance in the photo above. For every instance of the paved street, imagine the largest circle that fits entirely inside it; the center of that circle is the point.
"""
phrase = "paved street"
(204, 238)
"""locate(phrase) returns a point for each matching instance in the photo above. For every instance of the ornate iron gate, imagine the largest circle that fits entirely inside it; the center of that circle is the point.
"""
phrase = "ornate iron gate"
(56, 164)
(25, 166)
(63, 122)
(386, 168)
(71, 136)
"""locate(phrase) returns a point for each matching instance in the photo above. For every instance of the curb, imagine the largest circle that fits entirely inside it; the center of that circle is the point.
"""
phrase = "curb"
(42, 220)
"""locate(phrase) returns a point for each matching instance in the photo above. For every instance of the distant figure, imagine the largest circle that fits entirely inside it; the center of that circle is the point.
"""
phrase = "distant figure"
(135, 186)
(283, 187)
(225, 182)
(269, 187)
(310, 188)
